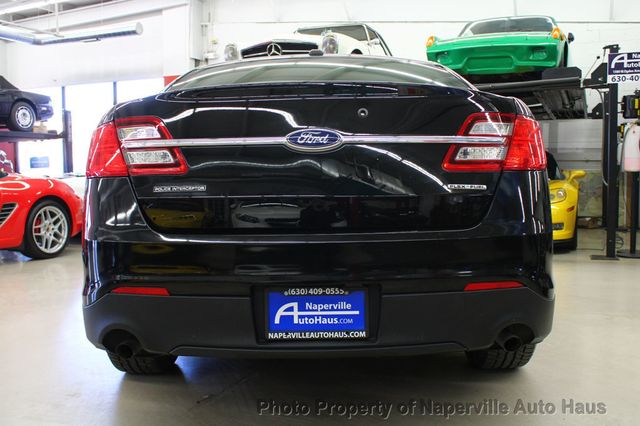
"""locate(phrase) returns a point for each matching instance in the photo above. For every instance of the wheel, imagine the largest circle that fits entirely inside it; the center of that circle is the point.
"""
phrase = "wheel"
(500, 359)
(47, 230)
(142, 364)
(22, 117)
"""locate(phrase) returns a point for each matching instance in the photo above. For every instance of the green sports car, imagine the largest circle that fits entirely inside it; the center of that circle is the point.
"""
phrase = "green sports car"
(503, 46)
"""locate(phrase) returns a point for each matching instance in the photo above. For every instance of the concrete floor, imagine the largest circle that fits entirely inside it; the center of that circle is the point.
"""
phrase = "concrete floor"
(50, 374)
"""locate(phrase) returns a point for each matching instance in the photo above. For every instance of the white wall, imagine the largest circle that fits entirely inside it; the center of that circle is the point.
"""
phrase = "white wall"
(162, 49)
(3, 58)
(76, 63)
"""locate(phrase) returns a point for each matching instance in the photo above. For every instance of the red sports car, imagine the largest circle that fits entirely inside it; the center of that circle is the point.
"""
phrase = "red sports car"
(37, 215)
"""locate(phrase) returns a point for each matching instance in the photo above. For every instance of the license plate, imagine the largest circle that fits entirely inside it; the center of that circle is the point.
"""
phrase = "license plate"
(316, 314)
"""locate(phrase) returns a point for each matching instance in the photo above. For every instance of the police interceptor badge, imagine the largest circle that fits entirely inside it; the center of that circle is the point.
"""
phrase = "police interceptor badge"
(179, 188)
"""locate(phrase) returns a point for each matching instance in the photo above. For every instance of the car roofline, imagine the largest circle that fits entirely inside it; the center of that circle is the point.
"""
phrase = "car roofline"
(346, 24)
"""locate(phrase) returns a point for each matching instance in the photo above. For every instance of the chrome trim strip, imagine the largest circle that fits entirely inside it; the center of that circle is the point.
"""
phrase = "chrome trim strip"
(281, 140)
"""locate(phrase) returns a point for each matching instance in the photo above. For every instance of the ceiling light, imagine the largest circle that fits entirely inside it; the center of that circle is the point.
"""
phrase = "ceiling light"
(21, 7)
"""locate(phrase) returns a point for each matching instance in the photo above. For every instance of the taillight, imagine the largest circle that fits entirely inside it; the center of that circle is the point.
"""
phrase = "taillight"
(556, 33)
(512, 143)
(105, 158)
(526, 150)
(431, 41)
(109, 154)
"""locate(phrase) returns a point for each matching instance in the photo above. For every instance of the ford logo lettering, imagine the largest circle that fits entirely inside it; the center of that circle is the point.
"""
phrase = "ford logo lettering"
(313, 140)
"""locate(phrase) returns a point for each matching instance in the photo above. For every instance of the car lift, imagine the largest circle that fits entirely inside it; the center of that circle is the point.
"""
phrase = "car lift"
(560, 94)
(65, 135)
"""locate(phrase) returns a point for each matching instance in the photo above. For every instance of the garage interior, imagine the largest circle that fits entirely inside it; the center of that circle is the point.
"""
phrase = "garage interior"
(53, 375)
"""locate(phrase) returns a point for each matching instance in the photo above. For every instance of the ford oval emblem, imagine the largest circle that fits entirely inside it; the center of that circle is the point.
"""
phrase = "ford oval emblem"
(313, 140)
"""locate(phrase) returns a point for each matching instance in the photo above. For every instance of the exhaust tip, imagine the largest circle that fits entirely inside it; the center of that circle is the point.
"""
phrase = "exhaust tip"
(512, 343)
(512, 338)
(122, 343)
(124, 350)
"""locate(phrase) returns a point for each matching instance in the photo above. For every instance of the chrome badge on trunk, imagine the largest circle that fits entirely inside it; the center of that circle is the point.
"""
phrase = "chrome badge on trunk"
(313, 140)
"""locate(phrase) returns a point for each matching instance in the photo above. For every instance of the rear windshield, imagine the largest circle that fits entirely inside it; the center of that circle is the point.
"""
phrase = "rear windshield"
(357, 32)
(320, 69)
(508, 25)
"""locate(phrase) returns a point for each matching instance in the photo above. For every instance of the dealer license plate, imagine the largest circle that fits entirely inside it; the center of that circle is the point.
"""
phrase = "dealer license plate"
(316, 313)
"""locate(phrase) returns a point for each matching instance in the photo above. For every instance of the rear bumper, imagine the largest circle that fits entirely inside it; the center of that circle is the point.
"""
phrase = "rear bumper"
(407, 324)
(519, 58)
(415, 279)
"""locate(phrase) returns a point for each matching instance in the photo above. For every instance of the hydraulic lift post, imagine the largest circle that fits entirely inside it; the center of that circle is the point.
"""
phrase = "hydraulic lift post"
(611, 159)
(609, 156)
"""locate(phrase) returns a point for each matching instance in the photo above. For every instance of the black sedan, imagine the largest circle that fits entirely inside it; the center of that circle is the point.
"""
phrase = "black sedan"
(20, 110)
(317, 206)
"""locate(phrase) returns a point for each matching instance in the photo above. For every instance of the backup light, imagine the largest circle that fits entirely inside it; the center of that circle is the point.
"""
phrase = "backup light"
(480, 153)
(136, 133)
(161, 156)
(491, 128)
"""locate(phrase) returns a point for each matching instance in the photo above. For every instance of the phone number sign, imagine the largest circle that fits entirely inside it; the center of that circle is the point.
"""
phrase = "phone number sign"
(623, 67)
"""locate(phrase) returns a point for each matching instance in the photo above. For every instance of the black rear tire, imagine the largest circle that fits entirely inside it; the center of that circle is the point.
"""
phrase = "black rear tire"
(22, 117)
(142, 364)
(500, 359)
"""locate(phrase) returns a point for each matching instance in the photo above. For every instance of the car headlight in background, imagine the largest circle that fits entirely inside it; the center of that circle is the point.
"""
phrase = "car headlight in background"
(231, 52)
(330, 43)
(558, 195)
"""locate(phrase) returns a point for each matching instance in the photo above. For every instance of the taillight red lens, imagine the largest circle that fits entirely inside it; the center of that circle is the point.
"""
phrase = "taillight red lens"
(492, 285)
(526, 150)
(110, 156)
(105, 157)
(521, 147)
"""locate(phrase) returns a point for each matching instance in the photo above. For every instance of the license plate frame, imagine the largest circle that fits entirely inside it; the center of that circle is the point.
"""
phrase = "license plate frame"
(299, 321)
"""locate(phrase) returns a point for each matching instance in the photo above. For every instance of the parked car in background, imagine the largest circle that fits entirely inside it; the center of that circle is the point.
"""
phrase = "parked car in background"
(317, 206)
(564, 191)
(343, 39)
(20, 110)
(38, 216)
(499, 47)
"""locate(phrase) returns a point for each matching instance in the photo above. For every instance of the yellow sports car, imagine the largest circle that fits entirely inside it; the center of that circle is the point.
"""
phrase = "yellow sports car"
(564, 188)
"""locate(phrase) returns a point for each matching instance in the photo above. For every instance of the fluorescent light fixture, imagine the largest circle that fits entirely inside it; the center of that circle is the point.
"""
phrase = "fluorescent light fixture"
(13, 34)
(28, 5)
